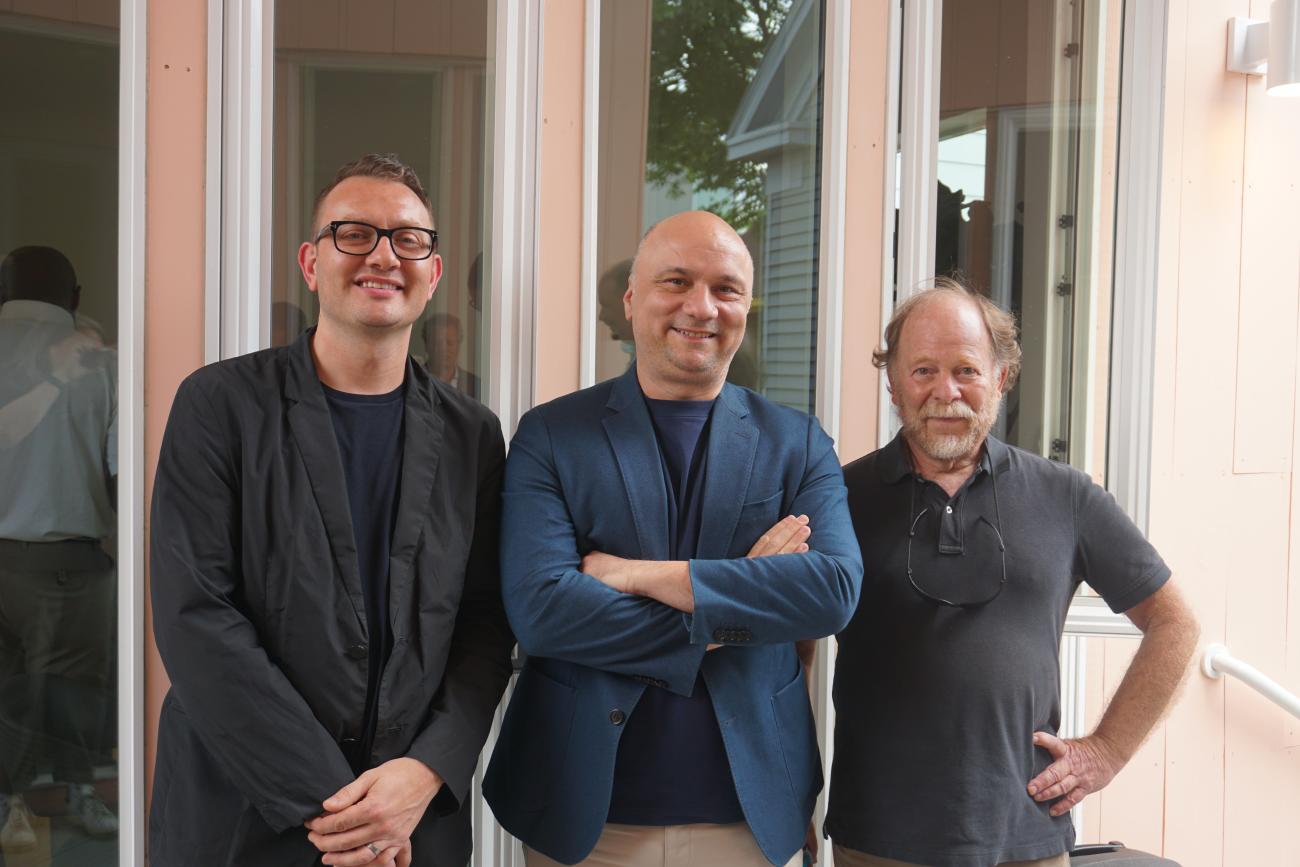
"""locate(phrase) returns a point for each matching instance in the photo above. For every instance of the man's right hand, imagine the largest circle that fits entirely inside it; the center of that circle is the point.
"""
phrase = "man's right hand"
(787, 536)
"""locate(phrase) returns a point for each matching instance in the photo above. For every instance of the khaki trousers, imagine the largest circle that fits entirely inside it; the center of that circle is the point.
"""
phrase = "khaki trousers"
(671, 846)
(845, 857)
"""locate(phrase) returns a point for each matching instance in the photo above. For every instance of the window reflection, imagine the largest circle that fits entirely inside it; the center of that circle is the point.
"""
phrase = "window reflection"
(715, 105)
(410, 78)
(1027, 106)
(58, 446)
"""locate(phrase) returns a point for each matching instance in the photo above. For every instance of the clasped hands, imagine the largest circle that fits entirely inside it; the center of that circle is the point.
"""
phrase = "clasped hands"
(370, 820)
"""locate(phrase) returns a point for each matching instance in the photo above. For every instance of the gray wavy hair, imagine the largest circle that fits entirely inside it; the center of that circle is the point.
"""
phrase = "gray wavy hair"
(1001, 326)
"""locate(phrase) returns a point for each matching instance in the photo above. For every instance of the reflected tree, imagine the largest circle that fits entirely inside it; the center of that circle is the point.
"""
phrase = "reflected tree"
(703, 55)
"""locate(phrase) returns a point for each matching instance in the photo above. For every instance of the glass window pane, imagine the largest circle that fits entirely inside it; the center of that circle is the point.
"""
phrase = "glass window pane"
(58, 445)
(716, 105)
(411, 78)
(1027, 144)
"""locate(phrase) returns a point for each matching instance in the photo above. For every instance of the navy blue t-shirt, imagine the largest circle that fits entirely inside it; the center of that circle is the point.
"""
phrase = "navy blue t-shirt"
(368, 428)
(672, 766)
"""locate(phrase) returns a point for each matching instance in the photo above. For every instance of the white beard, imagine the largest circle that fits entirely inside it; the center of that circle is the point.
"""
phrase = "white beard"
(950, 447)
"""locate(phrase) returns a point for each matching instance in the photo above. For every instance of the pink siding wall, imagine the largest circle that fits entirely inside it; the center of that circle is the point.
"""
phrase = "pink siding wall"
(1219, 785)
(559, 231)
(864, 225)
(174, 248)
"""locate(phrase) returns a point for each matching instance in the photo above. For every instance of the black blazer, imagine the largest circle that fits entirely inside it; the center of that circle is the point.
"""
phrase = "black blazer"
(260, 622)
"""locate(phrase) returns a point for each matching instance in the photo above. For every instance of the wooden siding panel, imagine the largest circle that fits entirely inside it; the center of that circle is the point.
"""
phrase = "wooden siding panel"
(1131, 812)
(1094, 650)
(1228, 788)
(175, 153)
(1270, 279)
(1291, 737)
(559, 234)
(1254, 632)
(864, 224)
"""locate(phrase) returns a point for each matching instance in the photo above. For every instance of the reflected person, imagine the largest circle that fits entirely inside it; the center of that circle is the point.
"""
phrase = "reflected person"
(442, 341)
(58, 421)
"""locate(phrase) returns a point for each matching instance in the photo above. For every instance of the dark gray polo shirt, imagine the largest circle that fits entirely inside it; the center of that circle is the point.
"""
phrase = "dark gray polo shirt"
(936, 706)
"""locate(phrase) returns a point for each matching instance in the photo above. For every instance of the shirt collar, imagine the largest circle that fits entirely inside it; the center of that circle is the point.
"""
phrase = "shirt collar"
(37, 311)
(895, 463)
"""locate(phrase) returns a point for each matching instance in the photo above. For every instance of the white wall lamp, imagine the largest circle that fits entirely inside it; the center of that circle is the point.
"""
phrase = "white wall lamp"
(1270, 48)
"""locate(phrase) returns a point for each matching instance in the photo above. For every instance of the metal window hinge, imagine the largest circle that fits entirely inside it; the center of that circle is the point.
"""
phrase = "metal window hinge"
(1064, 287)
(1071, 49)
(1065, 221)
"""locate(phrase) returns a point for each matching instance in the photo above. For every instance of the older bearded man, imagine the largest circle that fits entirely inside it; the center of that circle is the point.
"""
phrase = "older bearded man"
(947, 684)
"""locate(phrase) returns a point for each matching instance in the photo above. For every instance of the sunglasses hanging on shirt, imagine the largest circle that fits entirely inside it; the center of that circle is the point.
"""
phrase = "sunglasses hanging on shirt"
(963, 578)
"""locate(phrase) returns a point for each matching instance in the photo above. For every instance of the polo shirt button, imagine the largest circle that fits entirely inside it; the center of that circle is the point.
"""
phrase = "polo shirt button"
(617, 717)
(357, 651)
(948, 509)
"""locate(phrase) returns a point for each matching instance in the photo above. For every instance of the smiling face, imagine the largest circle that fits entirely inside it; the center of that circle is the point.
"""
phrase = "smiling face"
(944, 380)
(378, 292)
(687, 299)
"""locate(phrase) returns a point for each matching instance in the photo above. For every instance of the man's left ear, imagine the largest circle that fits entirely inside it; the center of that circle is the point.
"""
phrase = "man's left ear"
(1003, 373)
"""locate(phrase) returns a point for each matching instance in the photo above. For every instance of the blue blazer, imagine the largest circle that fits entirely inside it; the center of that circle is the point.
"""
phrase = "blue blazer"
(583, 474)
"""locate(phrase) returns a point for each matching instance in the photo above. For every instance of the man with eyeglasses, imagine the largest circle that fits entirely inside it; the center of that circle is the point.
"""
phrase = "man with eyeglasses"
(324, 571)
(947, 689)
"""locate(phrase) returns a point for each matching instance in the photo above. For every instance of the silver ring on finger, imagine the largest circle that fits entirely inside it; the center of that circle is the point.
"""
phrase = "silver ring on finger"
(374, 850)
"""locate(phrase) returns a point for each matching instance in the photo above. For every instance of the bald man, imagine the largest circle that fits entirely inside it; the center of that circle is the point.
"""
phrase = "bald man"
(668, 538)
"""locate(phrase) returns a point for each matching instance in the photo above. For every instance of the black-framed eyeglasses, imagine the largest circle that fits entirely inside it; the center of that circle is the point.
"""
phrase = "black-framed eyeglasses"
(360, 239)
(982, 521)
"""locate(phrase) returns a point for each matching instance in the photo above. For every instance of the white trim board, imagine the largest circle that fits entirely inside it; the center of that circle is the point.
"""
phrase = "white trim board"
(130, 482)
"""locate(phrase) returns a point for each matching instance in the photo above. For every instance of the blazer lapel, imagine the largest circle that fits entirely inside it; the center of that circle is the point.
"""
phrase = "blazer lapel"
(313, 432)
(421, 447)
(733, 442)
(632, 437)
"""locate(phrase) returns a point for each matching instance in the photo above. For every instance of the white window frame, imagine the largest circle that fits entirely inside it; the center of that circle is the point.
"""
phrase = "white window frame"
(1137, 209)
(131, 498)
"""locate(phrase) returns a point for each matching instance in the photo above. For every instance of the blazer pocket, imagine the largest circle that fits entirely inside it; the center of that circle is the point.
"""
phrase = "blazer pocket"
(536, 733)
(756, 518)
(795, 727)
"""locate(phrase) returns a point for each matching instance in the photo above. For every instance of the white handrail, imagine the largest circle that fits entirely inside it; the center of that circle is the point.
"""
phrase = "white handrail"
(1218, 662)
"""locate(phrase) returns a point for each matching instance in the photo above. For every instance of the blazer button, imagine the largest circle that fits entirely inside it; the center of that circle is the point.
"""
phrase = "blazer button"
(356, 651)
(617, 717)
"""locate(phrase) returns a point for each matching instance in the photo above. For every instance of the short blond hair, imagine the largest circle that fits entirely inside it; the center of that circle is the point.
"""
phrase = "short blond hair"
(999, 323)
